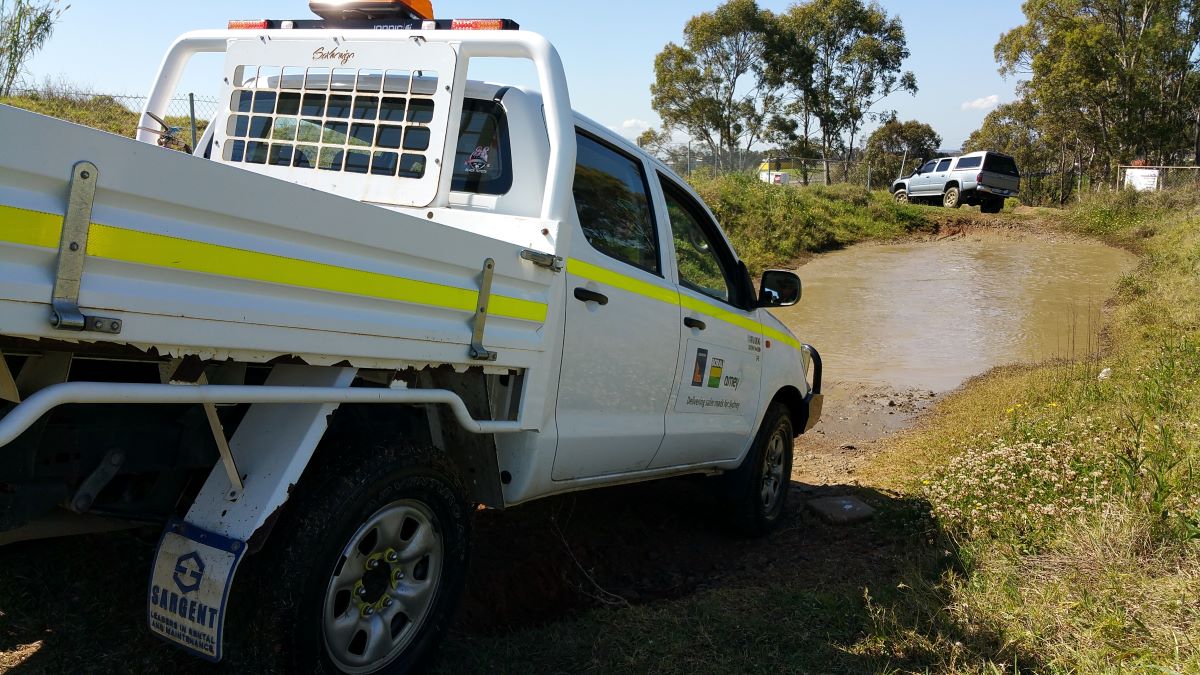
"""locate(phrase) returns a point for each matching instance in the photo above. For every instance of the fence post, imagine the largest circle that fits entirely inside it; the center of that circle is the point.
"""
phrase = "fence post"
(192, 112)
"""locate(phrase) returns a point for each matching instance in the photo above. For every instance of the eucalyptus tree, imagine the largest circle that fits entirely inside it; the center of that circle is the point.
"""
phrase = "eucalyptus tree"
(713, 86)
(837, 60)
(1123, 76)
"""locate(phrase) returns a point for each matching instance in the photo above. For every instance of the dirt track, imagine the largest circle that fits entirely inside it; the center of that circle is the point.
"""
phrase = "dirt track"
(640, 543)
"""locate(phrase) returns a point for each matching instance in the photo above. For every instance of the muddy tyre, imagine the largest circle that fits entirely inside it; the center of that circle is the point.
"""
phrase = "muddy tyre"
(951, 199)
(756, 492)
(901, 196)
(990, 205)
(365, 569)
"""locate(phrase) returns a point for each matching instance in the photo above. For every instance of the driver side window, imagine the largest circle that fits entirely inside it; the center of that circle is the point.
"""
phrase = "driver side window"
(701, 265)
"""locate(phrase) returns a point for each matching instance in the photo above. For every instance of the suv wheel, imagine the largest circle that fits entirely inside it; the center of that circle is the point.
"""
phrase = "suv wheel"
(950, 199)
(757, 491)
(901, 196)
(991, 205)
(369, 562)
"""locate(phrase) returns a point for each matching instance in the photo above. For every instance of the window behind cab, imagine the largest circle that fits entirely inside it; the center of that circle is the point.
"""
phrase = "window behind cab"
(482, 161)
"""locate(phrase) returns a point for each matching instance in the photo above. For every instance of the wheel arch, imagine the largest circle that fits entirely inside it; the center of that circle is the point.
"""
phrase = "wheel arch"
(951, 184)
(793, 400)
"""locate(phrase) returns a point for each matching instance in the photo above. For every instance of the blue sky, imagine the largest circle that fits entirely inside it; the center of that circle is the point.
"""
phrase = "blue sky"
(608, 49)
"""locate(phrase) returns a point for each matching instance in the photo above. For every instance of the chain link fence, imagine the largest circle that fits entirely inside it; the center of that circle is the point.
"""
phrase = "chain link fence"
(184, 113)
(1154, 178)
(807, 171)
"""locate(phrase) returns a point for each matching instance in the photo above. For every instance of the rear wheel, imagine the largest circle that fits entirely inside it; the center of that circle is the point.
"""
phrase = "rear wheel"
(991, 205)
(757, 491)
(368, 568)
(950, 200)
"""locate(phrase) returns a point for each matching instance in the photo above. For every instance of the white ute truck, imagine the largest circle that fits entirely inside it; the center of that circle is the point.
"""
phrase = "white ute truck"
(376, 295)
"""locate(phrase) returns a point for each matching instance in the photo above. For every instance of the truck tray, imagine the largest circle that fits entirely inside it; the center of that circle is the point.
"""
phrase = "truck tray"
(193, 257)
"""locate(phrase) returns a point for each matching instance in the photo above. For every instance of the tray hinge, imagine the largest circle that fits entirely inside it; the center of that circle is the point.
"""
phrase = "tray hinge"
(72, 253)
(477, 351)
(550, 261)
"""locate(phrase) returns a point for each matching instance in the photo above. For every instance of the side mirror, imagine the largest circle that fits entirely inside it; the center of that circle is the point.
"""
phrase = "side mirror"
(780, 288)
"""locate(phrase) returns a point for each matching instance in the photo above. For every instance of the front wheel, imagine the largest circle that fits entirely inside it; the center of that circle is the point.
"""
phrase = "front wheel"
(369, 567)
(901, 196)
(950, 200)
(756, 492)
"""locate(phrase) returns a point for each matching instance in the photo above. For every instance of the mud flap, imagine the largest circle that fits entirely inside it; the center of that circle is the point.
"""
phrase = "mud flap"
(189, 587)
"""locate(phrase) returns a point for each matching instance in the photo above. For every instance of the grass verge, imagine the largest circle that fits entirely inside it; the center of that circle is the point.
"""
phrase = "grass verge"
(96, 111)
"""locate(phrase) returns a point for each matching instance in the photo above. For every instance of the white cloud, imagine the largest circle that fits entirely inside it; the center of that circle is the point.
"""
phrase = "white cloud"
(634, 126)
(985, 103)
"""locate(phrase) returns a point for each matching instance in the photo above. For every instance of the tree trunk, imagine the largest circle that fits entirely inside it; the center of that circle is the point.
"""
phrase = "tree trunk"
(1196, 139)
(1062, 176)
(825, 143)
(808, 135)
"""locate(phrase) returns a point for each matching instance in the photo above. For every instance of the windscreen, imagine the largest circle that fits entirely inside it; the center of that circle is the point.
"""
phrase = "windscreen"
(1001, 164)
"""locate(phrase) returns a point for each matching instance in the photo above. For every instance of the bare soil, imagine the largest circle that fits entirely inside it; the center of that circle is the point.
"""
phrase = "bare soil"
(641, 543)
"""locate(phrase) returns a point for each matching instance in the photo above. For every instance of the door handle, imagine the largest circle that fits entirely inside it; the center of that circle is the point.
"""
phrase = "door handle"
(694, 323)
(585, 295)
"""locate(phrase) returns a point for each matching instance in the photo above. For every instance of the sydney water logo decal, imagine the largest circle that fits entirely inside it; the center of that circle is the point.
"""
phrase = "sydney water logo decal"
(710, 372)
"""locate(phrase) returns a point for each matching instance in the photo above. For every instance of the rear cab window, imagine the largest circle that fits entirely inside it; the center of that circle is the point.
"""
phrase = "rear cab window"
(944, 165)
(482, 159)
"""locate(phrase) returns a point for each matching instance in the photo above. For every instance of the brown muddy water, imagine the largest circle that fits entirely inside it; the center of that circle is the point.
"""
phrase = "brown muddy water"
(929, 315)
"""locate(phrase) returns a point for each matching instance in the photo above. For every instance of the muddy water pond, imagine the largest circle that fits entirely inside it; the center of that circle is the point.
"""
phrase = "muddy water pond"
(929, 315)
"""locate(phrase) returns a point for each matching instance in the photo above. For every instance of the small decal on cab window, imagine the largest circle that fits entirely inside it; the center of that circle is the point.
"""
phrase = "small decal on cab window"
(478, 161)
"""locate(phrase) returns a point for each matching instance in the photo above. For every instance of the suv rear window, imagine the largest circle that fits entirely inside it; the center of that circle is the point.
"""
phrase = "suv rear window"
(1001, 164)
(481, 162)
(968, 163)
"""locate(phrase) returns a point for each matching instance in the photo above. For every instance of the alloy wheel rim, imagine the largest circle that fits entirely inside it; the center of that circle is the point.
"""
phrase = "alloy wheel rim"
(773, 478)
(383, 587)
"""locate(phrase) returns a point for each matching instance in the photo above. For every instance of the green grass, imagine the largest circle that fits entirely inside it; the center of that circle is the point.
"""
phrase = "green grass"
(99, 112)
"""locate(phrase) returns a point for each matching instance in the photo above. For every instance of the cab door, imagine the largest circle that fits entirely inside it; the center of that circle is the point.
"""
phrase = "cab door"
(621, 342)
(715, 401)
(939, 177)
(919, 185)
